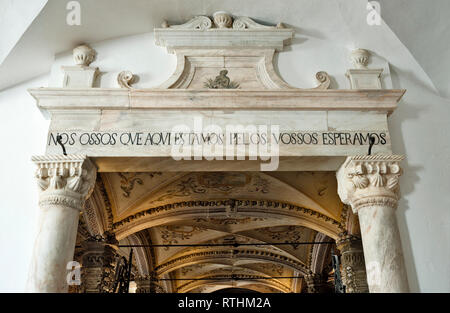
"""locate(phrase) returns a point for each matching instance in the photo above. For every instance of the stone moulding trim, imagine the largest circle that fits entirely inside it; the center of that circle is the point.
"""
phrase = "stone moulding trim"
(291, 99)
(72, 158)
(330, 224)
(223, 30)
(266, 255)
(375, 157)
(273, 38)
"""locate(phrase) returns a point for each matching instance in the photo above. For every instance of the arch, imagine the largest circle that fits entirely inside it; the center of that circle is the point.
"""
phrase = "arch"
(242, 279)
(214, 254)
(180, 211)
(319, 254)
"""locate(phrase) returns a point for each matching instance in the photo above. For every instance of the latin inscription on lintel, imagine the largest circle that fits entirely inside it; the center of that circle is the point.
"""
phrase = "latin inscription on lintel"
(160, 143)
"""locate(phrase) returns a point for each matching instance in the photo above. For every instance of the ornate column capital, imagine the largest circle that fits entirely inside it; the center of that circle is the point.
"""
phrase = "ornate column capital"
(64, 180)
(366, 180)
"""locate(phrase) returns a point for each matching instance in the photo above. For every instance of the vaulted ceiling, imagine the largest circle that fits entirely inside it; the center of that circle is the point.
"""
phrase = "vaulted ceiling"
(196, 229)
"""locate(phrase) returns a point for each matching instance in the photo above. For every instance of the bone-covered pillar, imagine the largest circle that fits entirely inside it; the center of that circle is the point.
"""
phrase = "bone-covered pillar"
(64, 183)
(148, 284)
(99, 263)
(370, 184)
(353, 272)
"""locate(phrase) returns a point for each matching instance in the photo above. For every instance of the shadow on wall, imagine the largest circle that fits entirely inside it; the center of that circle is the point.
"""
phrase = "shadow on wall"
(406, 112)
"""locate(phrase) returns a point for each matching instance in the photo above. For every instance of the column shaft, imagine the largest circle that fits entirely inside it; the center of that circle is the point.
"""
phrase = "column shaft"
(64, 182)
(370, 184)
(53, 249)
(382, 250)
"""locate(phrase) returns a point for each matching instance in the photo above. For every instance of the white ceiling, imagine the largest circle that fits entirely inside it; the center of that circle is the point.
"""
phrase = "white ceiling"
(422, 26)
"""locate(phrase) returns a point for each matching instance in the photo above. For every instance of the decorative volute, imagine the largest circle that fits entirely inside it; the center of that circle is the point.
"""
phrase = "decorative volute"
(226, 52)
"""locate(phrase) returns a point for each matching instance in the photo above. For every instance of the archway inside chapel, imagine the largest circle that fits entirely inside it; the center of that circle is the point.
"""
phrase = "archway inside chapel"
(207, 231)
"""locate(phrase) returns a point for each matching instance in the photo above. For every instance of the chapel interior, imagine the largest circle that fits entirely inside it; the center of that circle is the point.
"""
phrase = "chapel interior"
(296, 210)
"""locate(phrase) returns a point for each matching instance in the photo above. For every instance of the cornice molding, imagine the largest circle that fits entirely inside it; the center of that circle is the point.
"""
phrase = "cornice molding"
(57, 99)
(223, 30)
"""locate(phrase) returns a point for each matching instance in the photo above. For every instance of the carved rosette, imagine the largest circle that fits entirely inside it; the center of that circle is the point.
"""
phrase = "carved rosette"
(370, 180)
(64, 180)
(353, 268)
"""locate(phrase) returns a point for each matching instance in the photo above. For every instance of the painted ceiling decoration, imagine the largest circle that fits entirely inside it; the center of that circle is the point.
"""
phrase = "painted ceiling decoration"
(246, 226)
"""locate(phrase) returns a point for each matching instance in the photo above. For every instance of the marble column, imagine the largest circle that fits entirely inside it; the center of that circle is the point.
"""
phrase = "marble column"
(370, 184)
(98, 265)
(354, 276)
(64, 183)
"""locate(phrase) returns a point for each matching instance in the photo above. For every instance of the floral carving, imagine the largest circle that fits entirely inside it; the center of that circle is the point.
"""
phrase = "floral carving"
(128, 181)
(64, 180)
(224, 182)
(368, 180)
(229, 220)
(187, 269)
(284, 233)
(259, 185)
(172, 234)
(272, 267)
(184, 188)
(216, 182)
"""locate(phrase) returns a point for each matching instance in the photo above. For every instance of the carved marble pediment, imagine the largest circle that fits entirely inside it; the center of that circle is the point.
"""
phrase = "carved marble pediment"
(226, 52)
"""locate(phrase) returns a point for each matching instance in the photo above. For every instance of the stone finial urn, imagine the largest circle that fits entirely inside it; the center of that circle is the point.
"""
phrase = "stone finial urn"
(83, 55)
(222, 19)
(360, 58)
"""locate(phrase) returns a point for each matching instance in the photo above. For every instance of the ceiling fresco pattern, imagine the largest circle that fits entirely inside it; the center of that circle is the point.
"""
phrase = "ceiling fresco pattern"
(222, 227)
